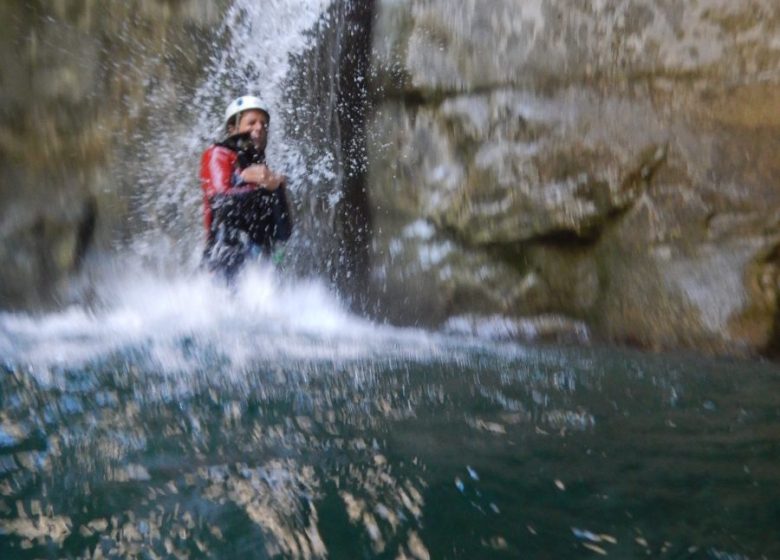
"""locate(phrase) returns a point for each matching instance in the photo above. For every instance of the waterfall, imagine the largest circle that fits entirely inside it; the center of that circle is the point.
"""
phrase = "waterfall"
(151, 294)
(289, 53)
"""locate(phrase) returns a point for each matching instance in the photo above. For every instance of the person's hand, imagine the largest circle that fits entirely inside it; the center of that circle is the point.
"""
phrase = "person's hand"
(259, 174)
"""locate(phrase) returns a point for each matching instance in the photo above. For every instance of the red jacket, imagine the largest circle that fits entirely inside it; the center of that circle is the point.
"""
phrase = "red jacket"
(219, 175)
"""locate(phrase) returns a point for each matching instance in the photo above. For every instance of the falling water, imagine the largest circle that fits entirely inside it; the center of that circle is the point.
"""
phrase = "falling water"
(273, 50)
(153, 293)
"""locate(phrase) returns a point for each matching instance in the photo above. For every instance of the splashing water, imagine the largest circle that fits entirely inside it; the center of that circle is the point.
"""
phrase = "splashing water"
(152, 294)
(259, 45)
(260, 319)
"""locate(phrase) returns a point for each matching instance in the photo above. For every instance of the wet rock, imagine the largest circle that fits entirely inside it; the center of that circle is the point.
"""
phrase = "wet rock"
(41, 246)
(615, 165)
(509, 166)
(80, 81)
(442, 47)
(541, 328)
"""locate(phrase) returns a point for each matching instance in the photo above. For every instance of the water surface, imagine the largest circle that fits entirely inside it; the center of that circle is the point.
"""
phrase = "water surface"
(225, 427)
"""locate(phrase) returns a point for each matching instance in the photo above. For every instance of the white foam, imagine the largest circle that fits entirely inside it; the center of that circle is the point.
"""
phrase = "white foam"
(263, 317)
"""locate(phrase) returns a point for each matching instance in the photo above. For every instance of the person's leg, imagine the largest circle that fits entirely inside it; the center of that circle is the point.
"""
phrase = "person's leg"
(230, 244)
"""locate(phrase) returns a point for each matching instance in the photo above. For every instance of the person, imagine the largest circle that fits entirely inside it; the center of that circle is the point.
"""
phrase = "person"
(245, 202)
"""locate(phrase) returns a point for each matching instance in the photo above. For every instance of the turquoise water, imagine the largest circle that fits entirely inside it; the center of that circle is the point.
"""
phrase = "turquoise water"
(380, 443)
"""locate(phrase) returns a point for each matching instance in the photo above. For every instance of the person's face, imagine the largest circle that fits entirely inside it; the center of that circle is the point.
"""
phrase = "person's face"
(256, 124)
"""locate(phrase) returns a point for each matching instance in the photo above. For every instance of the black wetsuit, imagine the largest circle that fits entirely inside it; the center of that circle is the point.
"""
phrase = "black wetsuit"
(244, 219)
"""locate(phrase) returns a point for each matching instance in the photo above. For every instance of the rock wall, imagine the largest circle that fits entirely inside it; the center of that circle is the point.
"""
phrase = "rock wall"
(609, 167)
(80, 81)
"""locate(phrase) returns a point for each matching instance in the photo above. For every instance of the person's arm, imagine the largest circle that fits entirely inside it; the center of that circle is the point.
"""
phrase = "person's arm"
(216, 170)
(261, 175)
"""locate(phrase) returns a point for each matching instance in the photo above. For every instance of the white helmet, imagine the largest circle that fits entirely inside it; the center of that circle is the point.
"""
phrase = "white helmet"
(244, 103)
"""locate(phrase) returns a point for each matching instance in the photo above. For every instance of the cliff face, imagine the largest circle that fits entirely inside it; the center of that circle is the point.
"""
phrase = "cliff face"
(614, 165)
(80, 80)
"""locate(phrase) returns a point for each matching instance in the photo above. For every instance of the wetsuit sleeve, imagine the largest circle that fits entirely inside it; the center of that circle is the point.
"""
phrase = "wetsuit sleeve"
(216, 173)
(216, 170)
